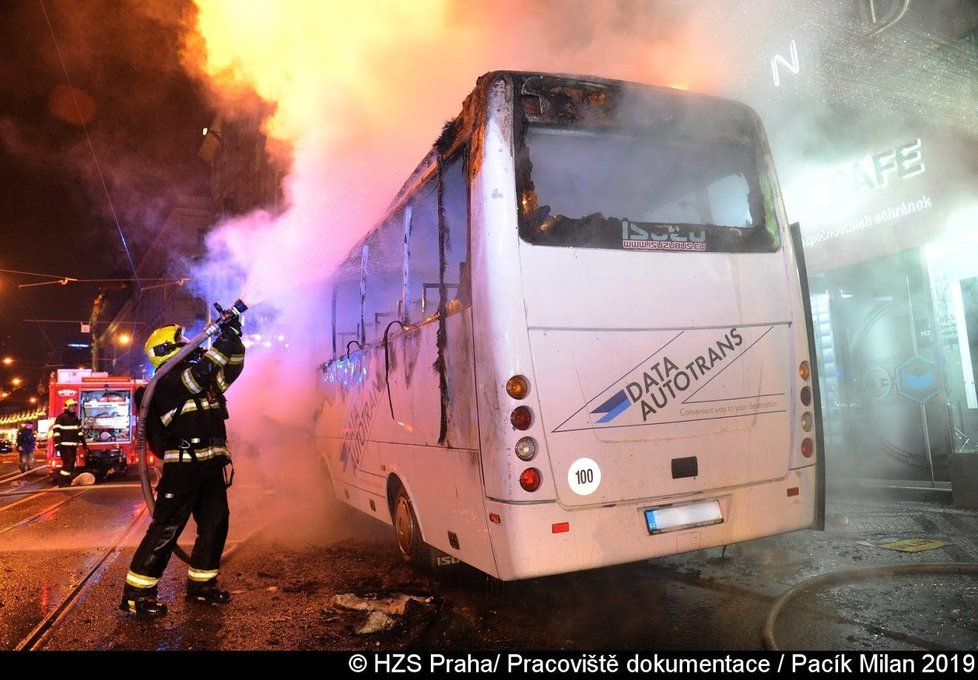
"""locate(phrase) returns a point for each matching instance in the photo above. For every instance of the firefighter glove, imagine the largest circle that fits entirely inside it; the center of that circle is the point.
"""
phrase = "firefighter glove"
(233, 325)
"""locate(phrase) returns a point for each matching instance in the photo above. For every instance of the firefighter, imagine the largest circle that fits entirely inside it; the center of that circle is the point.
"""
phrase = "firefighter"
(188, 402)
(68, 436)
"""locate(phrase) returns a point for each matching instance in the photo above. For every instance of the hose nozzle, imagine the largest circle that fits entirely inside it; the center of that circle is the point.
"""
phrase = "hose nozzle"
(225, 315)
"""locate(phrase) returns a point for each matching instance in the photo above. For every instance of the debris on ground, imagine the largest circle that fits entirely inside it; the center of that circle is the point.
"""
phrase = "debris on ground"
(912, 545)
(383, 612)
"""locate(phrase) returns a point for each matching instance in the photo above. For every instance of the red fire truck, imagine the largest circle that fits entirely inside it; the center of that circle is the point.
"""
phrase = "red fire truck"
(108, 413)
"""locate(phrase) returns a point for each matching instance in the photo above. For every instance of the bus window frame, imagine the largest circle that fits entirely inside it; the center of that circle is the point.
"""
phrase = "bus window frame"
(401, 218)
(743, 128)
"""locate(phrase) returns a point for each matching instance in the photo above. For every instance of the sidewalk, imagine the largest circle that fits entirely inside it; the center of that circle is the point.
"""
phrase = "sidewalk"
(893, 570)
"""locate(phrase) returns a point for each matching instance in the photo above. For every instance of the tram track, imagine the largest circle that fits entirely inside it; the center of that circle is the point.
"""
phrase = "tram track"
(12, 477)
(31, 491)
(27, 494)
(36, 638)
(16, 514)
(48, 625)
(37, 514)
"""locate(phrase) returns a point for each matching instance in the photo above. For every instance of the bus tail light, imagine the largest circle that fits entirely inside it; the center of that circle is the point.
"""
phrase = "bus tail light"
(805, 372)
(807, 447)
(518, 387)
(521, 417)
(807, 421)
(526, 448)
(530, 479)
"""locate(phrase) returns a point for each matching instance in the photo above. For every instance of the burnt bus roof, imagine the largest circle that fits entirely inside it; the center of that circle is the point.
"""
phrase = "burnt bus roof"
(556, 98)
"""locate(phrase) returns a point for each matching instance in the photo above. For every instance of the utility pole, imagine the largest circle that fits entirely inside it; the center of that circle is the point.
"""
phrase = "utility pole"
(93, 320)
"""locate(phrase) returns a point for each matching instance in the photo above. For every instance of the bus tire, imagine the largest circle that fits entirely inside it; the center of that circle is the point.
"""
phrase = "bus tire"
(407, 530)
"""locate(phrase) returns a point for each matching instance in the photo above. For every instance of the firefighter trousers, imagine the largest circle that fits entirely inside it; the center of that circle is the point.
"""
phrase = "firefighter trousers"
(186, 489)
(67, 470)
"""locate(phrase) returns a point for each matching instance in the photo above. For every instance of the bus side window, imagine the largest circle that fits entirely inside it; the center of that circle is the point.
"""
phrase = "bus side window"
(423, 253)
(429, 295)
(424, 250)
(346, 303)
(464, 283)
(384, 273)
(457, 222)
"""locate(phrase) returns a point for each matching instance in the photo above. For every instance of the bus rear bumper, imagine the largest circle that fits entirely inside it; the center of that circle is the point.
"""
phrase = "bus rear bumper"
(539, 540)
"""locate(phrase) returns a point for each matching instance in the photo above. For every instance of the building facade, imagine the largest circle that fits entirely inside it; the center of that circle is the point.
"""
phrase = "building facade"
(871, 108)
(242, 178)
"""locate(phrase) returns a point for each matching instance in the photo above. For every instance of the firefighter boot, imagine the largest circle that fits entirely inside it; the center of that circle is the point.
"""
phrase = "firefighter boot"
(207, 592)
(142, 602)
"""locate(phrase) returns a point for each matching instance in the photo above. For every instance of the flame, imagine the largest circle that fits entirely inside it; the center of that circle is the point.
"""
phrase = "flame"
(327, 67)
(352, 95)
(316, 62)
(339, 84)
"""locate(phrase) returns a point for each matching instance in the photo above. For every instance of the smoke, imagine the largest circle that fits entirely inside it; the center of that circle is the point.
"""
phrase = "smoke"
(102, 101)
(357, 92)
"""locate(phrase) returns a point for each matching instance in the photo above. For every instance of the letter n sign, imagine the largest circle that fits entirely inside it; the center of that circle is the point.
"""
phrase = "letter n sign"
(793, 65)
(917, 379)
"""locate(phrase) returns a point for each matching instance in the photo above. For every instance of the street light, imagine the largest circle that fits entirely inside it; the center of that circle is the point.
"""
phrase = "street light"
(7, 362)
(15, 384)
(121, 343)
(14, 387)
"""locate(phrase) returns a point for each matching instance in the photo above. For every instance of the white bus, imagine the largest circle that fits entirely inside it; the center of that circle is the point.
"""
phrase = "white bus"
(578, 337)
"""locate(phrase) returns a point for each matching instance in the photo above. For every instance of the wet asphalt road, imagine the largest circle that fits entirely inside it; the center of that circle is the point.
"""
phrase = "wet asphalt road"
(313, 577)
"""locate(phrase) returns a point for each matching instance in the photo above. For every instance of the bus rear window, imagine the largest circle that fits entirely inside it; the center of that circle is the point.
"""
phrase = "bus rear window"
(599, 188)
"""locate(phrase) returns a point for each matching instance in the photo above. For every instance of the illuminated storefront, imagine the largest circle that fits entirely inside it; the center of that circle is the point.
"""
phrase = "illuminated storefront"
(871, 110)
(890, 231)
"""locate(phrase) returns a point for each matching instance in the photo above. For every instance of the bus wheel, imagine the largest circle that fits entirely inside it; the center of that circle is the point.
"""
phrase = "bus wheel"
(409, 542)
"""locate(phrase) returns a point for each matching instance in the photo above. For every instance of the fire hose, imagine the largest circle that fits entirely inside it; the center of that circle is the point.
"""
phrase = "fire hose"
(210, 330)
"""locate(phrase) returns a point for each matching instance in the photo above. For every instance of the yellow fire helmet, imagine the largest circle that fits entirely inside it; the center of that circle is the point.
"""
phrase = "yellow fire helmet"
(163, 343)
(70, 402)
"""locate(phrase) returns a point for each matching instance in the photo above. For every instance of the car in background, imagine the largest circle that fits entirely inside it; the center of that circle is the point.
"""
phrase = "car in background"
(5, 446)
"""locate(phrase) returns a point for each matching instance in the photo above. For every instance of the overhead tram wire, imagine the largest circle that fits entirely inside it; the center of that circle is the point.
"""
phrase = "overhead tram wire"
(65, 280)
(91, 147)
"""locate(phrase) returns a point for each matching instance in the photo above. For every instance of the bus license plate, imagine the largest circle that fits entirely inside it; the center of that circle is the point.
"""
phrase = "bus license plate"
(675, 517)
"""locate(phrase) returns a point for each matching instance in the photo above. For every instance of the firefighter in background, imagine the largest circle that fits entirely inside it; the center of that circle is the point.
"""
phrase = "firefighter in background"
(68, 436)
(188, 401)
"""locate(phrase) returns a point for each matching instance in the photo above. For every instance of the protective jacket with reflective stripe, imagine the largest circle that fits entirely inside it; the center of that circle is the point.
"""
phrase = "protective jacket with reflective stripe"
(67, 430)
(190, 402)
